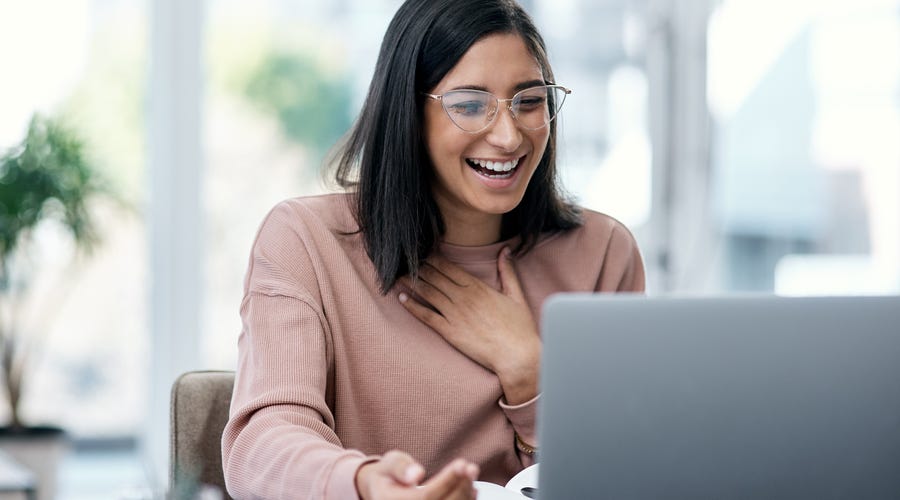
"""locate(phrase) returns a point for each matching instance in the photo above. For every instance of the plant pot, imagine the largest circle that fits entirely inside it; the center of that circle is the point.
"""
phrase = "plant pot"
(39, 449)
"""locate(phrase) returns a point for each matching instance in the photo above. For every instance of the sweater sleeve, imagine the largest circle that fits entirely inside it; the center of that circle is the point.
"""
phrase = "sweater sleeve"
(623, 268)
(280, 440)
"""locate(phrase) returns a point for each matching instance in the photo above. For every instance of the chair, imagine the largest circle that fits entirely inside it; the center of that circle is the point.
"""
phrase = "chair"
(198, 413)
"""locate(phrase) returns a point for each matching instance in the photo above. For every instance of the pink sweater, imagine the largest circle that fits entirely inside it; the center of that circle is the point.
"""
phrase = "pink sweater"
(332, 373)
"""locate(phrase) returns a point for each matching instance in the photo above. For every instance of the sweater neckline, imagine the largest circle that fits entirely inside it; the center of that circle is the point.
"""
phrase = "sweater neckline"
(462, 254)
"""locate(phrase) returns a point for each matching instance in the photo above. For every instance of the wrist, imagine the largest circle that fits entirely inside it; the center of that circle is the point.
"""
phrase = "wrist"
(520, 380)
(521, 391)
(359, 479)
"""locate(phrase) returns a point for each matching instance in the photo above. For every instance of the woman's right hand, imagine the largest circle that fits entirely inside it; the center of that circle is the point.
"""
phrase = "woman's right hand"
(397, 476)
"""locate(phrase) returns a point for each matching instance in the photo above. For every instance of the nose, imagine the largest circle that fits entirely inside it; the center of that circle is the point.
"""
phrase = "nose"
(504, 132)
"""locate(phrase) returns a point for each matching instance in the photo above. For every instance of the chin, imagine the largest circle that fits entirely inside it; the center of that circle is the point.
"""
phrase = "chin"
(499, 207)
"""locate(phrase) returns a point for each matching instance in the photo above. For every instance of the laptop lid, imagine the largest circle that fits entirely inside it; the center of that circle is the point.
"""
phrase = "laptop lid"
(742, 397)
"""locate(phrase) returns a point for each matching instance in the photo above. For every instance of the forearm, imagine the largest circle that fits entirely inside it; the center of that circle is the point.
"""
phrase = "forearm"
(268, 456)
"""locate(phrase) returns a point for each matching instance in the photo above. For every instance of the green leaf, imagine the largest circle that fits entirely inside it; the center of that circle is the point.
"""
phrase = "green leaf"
(47, 176)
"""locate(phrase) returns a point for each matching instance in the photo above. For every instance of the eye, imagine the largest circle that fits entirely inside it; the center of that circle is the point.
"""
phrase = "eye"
(531, 103)
(467, 108)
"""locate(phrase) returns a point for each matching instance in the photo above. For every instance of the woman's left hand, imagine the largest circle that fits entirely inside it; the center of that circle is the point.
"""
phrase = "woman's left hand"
(495, 329)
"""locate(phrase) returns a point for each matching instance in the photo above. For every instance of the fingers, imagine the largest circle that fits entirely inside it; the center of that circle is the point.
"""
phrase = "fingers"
(449, 270)
(509, 280)
(424, 314)
(403, 468)
(397, 476)
(453, 482)
(441, 272)
(430, 287)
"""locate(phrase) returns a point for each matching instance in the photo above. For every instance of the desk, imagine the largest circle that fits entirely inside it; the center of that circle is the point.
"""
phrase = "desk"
(15, 478)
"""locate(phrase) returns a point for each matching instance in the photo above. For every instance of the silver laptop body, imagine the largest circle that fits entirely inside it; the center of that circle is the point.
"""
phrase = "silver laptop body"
(720, 398)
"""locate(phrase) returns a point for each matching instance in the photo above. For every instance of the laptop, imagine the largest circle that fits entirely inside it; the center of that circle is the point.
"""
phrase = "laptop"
(720, 398)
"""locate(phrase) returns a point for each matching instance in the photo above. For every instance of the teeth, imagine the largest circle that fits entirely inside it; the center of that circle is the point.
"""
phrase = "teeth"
(497, 166)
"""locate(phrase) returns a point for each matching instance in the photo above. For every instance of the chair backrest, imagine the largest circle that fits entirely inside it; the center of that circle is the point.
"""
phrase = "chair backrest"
(198, 413)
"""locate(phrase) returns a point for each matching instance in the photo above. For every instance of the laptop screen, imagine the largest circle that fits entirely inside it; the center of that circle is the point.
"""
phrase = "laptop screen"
(740, 397)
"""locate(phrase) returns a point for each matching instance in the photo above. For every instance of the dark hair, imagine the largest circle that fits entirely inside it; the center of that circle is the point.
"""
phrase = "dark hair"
(385, 159)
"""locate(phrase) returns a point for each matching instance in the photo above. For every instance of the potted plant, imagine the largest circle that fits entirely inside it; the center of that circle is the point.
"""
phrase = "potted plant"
(47, 177)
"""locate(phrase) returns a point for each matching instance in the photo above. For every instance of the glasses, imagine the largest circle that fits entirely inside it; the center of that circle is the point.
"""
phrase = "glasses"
(475, 110)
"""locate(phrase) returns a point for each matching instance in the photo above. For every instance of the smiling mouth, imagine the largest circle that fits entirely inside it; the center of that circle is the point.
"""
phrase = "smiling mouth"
(494, 169)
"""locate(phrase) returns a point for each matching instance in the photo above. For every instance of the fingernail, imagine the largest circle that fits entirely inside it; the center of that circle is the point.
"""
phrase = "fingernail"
(506, 252)
(403, 297)
(472, 471)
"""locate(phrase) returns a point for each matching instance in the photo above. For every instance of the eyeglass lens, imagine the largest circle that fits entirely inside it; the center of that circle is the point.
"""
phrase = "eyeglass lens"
(474, 110)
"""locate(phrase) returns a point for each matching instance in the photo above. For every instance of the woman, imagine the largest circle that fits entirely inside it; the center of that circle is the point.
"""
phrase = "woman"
(390, 347)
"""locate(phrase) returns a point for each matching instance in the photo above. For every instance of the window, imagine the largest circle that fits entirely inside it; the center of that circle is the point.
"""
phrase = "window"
(83, 62)
(597, 49)
(285, 83)
(806, 162)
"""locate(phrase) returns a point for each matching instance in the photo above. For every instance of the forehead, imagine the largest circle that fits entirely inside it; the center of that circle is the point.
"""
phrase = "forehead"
(496, 62)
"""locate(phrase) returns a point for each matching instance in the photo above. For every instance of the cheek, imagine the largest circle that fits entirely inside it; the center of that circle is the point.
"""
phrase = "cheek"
(540, 138)
(438, 139)
(446, 143)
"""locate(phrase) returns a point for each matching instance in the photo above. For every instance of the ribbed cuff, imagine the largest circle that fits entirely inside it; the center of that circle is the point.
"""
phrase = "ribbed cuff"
(523, 418)
(342, 483)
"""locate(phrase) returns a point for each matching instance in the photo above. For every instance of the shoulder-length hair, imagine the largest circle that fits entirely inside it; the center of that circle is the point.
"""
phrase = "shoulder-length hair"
(384, 157)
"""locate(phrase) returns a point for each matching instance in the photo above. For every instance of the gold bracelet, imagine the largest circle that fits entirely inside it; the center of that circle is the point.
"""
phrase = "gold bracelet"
(525, 447)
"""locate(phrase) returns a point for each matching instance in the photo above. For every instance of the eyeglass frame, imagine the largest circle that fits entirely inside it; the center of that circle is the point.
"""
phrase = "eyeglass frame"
(440, 99)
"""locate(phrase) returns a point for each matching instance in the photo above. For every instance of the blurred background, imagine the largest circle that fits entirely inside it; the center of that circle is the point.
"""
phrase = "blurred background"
(751, 145)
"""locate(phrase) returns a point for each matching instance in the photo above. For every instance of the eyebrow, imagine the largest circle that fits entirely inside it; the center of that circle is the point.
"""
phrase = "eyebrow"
(516, 88)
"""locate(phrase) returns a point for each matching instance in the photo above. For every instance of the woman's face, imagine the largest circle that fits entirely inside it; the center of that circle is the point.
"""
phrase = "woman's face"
(502, 65)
